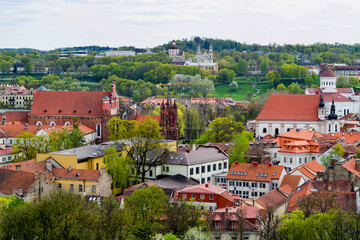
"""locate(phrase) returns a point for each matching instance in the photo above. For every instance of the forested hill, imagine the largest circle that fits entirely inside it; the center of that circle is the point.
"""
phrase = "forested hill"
(190, 45)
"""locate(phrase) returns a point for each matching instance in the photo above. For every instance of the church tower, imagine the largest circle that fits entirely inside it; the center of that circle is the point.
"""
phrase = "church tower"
(198, 48)
(211, 54)
(169, 120)
(332, 123)
(321, 109)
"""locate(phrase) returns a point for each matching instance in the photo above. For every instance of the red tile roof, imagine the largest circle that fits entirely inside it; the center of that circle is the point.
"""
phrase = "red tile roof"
(328, 97)
(292, 180)
(27, 166)
(11, 179)
(14, 130)
(345, 90)
(254, 172)
(350, 166)
(274, 198)
(348, 137)
(12, 116)
(290, 107)
(83, 174)
(299, 194)
(305, 172)
(314, 166)
(140, 118)
(286, 189)
(327, 73)
(62, 103)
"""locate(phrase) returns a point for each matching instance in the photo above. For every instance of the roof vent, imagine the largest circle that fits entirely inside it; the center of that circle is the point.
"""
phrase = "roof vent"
(70, 168)
(60, 111)
(45, 110)
(89, 111)
(74, 111)
(77, 175)
(297, 130)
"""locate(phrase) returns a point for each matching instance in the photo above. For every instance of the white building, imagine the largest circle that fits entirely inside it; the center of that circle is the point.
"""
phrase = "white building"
(119, 53)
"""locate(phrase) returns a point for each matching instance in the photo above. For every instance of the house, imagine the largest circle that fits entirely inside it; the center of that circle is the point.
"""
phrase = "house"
(174, 50)
(94, 109)
(347, 71)
(299, 146)
(208, 196)
(274, 200)
(235, 222)
(283, 112)
(264, 150)
(252, 180)
(5, 154)
(16, 96)
(308, 170)
(29, 186)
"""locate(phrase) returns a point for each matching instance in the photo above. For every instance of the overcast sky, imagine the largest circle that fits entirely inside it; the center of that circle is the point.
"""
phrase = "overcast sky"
(44, 24)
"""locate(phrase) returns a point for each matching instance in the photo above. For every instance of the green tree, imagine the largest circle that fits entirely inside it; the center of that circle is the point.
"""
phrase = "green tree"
(242, 66)
(193, 123)
(5, 66)
(221, 129)
(240, 147)
(196, 234)
(118, 167)
(273, 77)
(281, 87)
(28, 68)
(309, 81)
(136, 96)
(226, 75)
(143, 141)
(264, 66)
(145, 208)
(23, 146)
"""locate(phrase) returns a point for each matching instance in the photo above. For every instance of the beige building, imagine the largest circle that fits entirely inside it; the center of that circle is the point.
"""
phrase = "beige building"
(16, 96)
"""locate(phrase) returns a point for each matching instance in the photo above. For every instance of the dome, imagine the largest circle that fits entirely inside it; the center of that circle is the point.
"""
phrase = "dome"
(173, 47)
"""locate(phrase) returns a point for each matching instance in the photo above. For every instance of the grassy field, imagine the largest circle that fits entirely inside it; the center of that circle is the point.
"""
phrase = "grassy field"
(245, 87)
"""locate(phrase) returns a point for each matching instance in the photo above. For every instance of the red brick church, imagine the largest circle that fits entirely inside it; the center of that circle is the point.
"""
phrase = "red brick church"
(93, 109)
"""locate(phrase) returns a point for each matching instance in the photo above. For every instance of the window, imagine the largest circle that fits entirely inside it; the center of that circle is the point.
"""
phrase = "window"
(191, 171)
(208, 179)
(202, 196)
(288, 130)
(254, 184)
(97, 166)
(93, 189)
(264, 130)
(329, 128)
(211, 197)
(335, 127)
(202, 169)
(290, 160)
(276, 132)
(233, 224)
(217, 224)
(225, 165)
(214, 167)
(209, 168)
(284, 159)
(167, 169)
(59, 185)
(197, 170)
(193, 196)
(184, 196)
(98, 130)
(305, 159)
(150, 173)
(219, 166)
(300, 160)
(71, 189)
(203, 180)
(80, 188)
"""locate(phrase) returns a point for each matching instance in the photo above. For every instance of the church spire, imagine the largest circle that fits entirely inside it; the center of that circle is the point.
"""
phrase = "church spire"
(321, 104)
(332, 115)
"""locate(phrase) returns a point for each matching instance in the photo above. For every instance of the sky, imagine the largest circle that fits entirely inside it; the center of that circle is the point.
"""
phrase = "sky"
(50, 24)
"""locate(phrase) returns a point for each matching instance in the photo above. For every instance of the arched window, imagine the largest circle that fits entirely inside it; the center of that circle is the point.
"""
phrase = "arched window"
(284, 159)
(276, 132)
(67, 124)
(98, 130)
(264, 130)
(329, 128)
(52, 124)
(313, 158)
(288, 130)
(39, 123)
(335, 127)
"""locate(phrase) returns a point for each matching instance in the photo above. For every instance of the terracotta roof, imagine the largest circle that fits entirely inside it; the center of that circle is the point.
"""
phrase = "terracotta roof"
(274, 198)
(304, 171)
(78, 174)
(350, 166)
(140, 118)
(344, 90)
(327, 73)
(10, 179)
(299, 194)
(328, 97)
(292, 180)
(254, 172)
(314, 90)
(349, 116)
(14, 130)
(27, 166)
(286, 107)
(314, 166)
(203, 188)
(62, 103)
(225, 146)
(348, 137)
(12, 116)
(302, 134)
(285, 189)
(5, 151)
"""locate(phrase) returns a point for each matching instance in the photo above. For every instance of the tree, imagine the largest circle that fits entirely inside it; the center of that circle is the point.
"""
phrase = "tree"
(24, 147)
(143, 142)
(136, 96)
(309, 81)
(226, 75)
(118, 167)
(341, 81)
(240, 147)
(28, 68)
(221, 129)
(196, 234)
(281, 87)
(233, 85)
(336, 153)
(5, 66)
(269, 226)
(242, 66)
(273, 77)
(264, 66)
(193, 123)
(145, 208)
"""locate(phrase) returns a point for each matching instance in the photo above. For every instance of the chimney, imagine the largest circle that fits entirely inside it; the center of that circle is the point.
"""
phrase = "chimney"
(236, 162)
(70, 168)
(48, 165)
(18, 167)
(255, 164)
(26, 126)
(193, 147)
(356, 189)
(102, 171)
(357, 164)
(333, 161)
(206, 184)
(270, 164)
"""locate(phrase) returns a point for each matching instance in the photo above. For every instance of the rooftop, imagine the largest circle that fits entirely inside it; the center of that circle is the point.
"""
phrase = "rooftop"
(254, 172)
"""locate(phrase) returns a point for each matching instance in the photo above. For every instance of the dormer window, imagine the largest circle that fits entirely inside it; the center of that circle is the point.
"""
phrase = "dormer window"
(60, 111)
(233, 224)
(74, 111)
(45, 110)
(89, 111)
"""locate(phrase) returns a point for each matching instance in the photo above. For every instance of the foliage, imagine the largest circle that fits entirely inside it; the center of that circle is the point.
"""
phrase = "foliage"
(193, 123)
(273, 77)
(145, 207)
(242, 67)
(118, 167)
(23, 147)
(186, 84)
(240, 147)
(142, 139)
(281, 87)
(221, 129)
(309, 81)
(264, 66)
(226, 75)
(195, 234)
(233, 85)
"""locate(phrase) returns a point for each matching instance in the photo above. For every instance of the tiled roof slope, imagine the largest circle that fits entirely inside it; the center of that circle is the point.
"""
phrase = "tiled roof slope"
(61, 103)
(11, 179)
(290, 107)
(327, 73)
(12, 116)
(254, 172)
(78, 174)
(27, 166)
(292, 180)
(274, 198)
